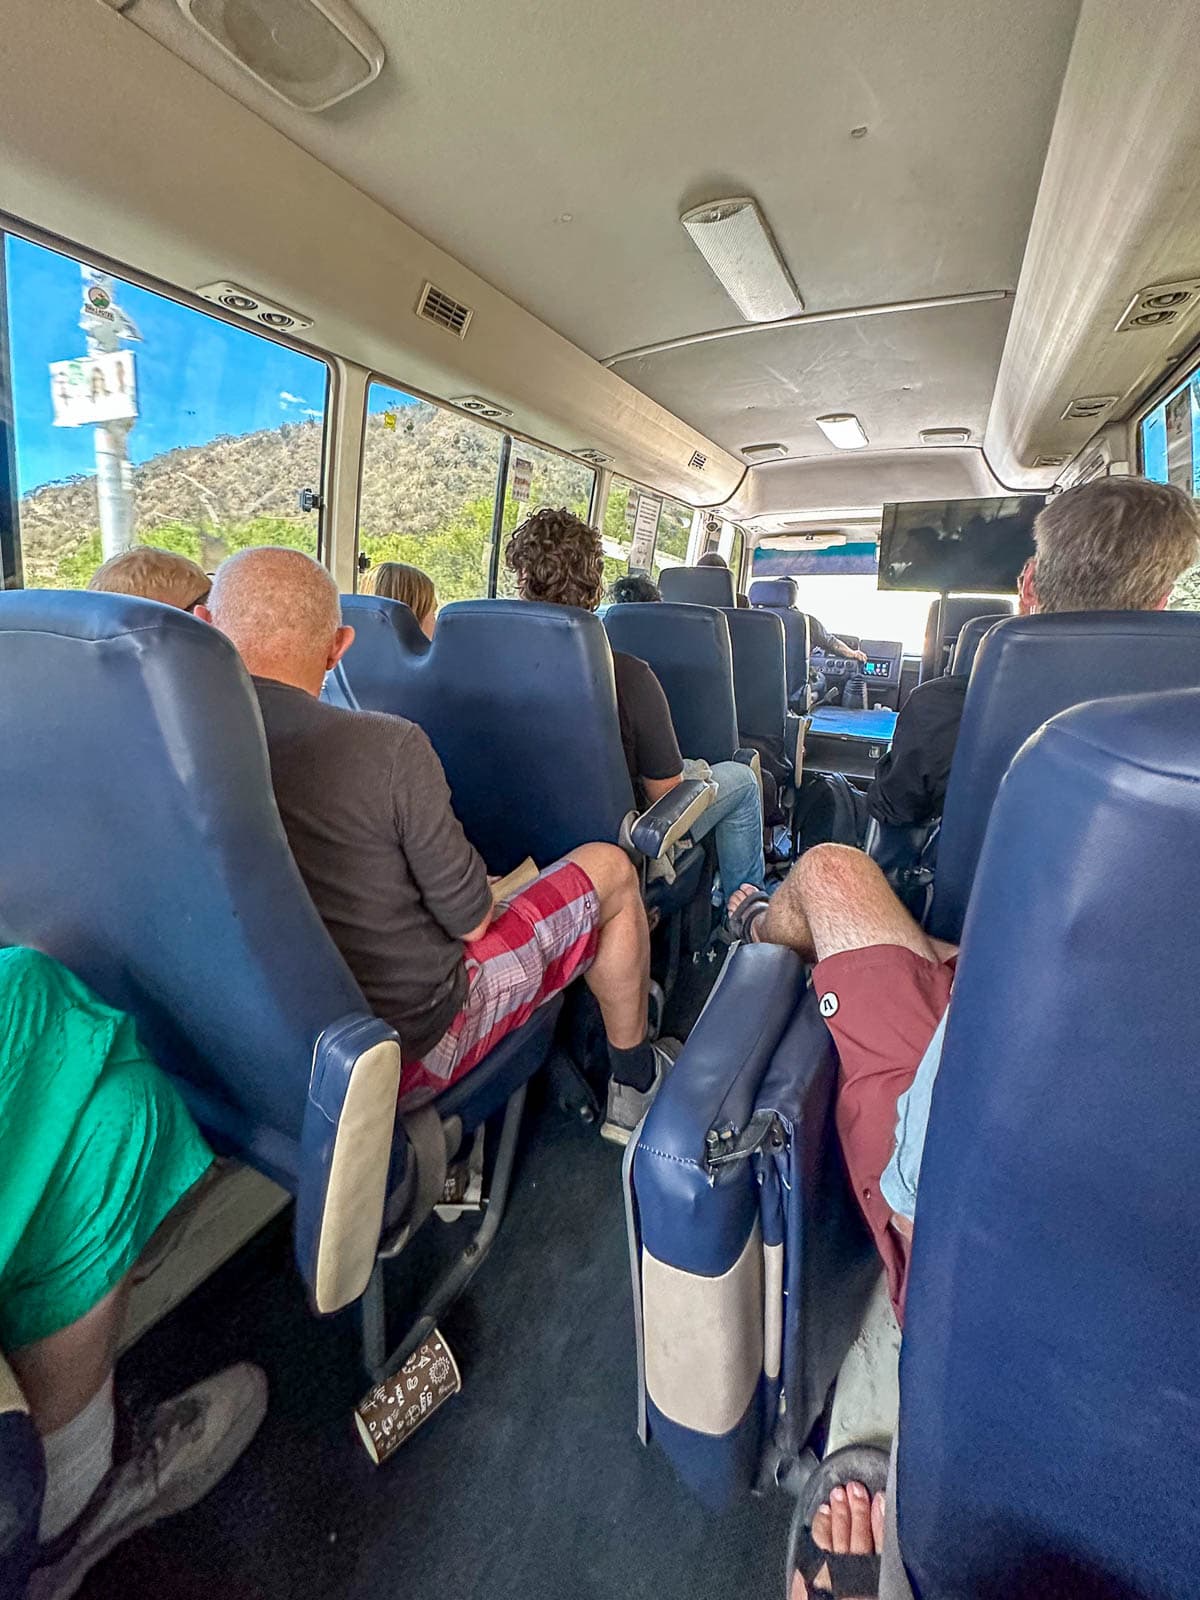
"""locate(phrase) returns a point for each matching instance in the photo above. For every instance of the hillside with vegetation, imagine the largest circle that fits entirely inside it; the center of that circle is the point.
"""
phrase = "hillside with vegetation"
(428, 487)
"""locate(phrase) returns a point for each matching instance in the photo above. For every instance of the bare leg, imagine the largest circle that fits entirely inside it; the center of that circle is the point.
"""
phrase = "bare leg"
(619, 977)
(835, 898)
(59, 1375)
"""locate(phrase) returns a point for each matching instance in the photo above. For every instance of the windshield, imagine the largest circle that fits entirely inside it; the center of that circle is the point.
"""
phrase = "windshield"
(850, 603)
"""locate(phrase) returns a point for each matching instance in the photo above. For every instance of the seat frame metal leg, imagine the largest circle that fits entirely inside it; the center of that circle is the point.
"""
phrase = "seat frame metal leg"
(378, 1360)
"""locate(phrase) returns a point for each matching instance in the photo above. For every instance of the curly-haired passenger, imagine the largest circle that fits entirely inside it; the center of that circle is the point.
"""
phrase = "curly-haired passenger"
(559, 560)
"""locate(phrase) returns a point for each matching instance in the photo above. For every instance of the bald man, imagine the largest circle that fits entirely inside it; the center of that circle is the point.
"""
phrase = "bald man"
(406, 898)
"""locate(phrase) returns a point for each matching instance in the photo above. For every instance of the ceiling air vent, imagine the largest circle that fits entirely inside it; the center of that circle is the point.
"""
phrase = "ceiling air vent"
(250, 304)
(596, 457)
(942, 436)
(1048, 461)
(698, 461)
(479, 407)
(436, 306)
(1088, 407)
(763, 452)
(1160, 305)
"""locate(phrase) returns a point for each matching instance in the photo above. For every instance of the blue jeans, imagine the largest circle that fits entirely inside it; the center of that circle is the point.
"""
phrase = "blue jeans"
(736, 817)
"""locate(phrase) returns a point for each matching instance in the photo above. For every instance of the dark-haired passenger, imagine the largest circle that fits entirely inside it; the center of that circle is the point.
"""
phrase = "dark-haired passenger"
(713, 558)
(558, 559)
(634, 588)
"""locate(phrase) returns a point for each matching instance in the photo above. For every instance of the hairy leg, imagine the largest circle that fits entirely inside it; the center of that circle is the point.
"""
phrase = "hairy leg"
(835, 898)
(619, 977)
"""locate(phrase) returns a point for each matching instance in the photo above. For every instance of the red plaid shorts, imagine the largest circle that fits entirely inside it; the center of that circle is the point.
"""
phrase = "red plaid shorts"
(543, 939)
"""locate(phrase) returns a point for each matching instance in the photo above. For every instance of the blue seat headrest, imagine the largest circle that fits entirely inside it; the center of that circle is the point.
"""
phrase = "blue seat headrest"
(782, 593)
(688, 649)
(698, 586)
(1049, 1368)
(970, 637)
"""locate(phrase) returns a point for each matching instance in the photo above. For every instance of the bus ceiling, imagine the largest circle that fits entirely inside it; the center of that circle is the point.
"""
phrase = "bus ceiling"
(960, 216)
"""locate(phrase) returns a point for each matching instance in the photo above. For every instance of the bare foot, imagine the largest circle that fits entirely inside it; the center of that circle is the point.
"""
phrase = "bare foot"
(739, 898)
(851, 1524)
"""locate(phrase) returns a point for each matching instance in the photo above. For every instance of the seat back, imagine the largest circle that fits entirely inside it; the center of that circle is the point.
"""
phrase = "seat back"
(970, 637)
(687, 648)
(519, 702)
(697, 586)
(780, 595)
(754, 1274)
(383, 631)
(952, 612)
(1028, 669)
(140, 845)
(1049, 1384)
(756, 638)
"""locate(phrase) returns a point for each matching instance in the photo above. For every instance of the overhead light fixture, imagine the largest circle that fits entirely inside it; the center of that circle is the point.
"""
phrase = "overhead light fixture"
(733, 237)
(843, 430)
(764, 452)
(944, 436)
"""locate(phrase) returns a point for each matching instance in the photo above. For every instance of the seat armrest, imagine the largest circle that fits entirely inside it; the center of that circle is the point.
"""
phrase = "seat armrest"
(667, 820)
(345, 1154)
(795, 729)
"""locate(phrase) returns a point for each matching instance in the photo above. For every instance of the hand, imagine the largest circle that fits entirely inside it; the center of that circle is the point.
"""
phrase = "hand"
(856, 655)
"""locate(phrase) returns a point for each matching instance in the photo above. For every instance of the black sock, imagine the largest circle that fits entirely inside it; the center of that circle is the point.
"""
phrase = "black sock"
(633, 1067)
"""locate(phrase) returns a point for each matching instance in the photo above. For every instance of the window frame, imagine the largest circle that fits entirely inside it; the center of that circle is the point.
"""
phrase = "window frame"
(509, 439)
(1180, 374)
(73, 251)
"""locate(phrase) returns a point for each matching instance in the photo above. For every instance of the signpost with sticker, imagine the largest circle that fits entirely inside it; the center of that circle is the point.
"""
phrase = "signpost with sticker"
(646, 516)
(520, 478)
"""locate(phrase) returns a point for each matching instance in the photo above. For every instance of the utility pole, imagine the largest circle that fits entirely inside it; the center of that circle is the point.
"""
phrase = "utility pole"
(103, 325)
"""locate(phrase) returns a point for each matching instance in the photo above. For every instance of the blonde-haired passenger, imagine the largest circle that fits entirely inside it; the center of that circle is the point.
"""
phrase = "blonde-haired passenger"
(396, 580)
(153, 574)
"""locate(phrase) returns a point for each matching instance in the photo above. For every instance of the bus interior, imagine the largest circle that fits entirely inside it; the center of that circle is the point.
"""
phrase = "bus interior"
(775, 284)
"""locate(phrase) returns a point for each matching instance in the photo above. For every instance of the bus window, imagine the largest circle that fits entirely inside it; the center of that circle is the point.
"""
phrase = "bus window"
(537, 478)
(674, 523)
(142, 421)
(428, 491)
(1169, 446)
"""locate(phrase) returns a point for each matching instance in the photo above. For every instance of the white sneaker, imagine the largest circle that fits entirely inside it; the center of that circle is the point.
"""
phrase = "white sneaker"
(626, 1105)
(188, 1445)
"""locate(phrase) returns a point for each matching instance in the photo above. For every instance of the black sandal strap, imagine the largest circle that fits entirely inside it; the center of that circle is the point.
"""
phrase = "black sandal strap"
(852, 1577)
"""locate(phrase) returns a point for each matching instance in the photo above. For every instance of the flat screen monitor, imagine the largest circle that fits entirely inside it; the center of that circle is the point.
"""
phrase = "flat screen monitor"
(957, 546)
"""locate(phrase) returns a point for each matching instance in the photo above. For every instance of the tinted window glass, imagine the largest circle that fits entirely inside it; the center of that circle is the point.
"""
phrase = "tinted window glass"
(537, 478)
(143, 421)
(428, 490)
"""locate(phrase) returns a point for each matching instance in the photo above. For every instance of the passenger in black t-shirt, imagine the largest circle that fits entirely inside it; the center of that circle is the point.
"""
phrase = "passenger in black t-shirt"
(557, 558)
(404, 895)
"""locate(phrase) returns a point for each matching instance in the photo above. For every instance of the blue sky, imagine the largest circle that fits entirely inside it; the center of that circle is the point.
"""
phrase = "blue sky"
(197, 377)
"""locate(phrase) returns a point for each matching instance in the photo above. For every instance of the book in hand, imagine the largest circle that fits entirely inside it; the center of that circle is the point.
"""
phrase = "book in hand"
(513, 882)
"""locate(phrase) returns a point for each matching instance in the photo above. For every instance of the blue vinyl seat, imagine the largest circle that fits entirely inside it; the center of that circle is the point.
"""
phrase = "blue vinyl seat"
(1027, 670)
(756, 639)
(698, 586)
(22, 1487)
(970, 637)
(519, 701)
(945, 622)
(1049, 1383)
(752, 1264)
(140, 845)
(781, 595)
(687, 647)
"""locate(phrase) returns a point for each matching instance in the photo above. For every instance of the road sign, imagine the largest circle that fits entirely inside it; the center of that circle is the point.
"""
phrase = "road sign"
(93, 390)
(520, 478)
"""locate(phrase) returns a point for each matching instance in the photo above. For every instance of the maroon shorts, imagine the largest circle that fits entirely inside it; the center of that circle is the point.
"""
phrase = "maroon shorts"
(882, 1005)
(542, 939)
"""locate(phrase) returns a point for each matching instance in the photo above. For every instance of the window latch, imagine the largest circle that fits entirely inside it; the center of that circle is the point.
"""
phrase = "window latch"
(310, 500)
